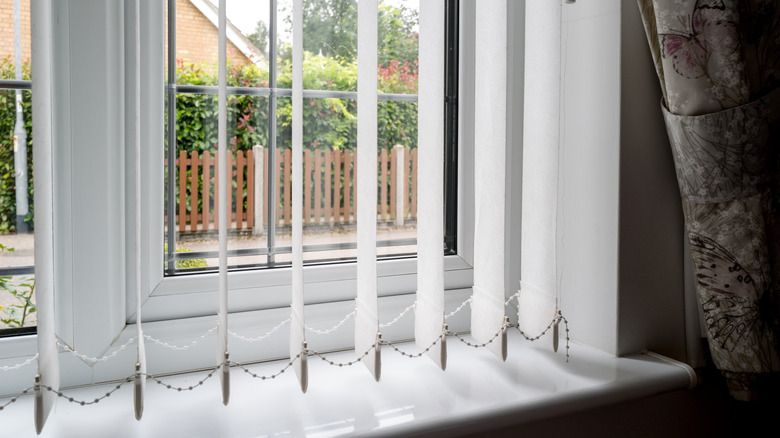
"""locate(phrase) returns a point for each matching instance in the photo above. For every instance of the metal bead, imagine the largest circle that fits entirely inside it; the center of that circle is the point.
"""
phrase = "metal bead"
(190, 388)
(82, 403)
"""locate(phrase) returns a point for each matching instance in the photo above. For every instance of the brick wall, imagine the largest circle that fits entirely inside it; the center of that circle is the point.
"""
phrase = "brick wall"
(196, 37)
(7, 29)
(196, 40)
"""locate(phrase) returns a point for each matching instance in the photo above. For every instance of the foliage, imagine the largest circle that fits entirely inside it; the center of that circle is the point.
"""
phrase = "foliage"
(7, 123)
(186, 263)
(260, 37)
(328, 123)
(330, 29)
(398, 40)
(18, 314)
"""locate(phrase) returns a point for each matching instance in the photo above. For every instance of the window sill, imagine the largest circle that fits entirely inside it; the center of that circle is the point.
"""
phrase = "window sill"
(476, 393)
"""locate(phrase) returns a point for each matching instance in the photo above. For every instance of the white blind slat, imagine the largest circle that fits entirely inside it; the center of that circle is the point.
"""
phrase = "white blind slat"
(487, 307)
(536, 302)
(297, 328)
(222, 337)
(48, 361)
(140, 377)
(366, 322)
(429, 313)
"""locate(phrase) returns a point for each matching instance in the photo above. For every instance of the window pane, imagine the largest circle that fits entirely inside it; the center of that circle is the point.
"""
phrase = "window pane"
(197, 42)
(330, 140)
(17, 256)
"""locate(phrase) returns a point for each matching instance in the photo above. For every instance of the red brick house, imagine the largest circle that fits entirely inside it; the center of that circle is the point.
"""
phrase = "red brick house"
(196, 28)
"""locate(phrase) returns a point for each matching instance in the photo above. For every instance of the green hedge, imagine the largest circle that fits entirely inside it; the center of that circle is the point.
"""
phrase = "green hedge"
(7, 123)
(328, 123)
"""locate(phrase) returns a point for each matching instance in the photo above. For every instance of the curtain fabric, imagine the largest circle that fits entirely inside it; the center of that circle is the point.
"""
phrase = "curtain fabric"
(718, 62)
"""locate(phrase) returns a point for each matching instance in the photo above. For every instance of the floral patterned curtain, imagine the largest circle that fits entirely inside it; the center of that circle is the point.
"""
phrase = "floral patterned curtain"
(718, 62)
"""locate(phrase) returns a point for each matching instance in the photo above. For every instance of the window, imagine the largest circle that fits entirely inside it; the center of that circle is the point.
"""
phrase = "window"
(93, 232)
(259, 128)
(17, 300)
(94, 213)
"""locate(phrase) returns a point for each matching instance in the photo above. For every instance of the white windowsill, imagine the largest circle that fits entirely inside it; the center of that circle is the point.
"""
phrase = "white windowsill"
(476, 392)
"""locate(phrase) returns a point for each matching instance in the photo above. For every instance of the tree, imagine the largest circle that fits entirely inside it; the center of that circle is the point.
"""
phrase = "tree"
(397, 38)
(260, 37)
(330, 28)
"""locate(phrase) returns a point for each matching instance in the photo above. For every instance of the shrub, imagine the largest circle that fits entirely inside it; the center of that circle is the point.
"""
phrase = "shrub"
(7, 123)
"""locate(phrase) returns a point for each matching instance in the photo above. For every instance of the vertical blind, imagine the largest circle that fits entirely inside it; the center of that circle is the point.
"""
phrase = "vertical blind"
(538, 311)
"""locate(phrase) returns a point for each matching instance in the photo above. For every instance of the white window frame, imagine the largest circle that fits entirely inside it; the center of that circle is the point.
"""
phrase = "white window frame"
(91, 269)
(194, 295)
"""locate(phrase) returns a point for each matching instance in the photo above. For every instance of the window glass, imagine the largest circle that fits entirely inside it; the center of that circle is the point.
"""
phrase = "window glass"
(259, 133)
(17, 279)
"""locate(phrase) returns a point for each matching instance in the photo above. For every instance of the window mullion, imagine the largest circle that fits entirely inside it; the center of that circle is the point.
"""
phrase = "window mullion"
(271, 174)
(171, 91)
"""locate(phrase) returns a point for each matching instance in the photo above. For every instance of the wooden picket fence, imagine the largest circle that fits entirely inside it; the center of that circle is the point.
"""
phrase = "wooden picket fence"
(329, 188)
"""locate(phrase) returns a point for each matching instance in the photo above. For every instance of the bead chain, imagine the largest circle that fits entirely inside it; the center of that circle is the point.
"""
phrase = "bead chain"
(19, 365)
(342, 364)
(271, 376)
(261, 337)
(334, 328)
(185, 347)
(95, 360)
(84, 402)
(558, 318)
(16, 397)
(412, 356)
(458, 309)
(485, 344)
(401, 315)
(182, 388)
(324, 358)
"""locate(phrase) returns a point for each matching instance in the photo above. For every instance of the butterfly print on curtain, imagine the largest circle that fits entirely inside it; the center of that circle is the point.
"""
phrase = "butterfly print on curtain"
(710, 32)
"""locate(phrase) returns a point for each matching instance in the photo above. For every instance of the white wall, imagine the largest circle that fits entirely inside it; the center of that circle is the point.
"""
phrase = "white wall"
(620, 227)
(651, 224)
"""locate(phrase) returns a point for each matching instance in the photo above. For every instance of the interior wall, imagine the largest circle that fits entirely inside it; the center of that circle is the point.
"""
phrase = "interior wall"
(620, 230)
(651, 282)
